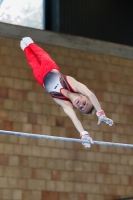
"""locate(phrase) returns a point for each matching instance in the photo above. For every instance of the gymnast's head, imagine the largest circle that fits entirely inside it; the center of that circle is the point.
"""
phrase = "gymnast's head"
(83, 104)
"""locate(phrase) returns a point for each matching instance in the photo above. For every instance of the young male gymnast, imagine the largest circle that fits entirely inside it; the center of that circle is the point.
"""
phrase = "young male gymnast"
(65, 90)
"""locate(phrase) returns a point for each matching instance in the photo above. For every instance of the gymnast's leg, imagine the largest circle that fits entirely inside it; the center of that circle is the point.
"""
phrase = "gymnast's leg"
(45, 61)
(41, 55)
(33, 62)
(31, 58)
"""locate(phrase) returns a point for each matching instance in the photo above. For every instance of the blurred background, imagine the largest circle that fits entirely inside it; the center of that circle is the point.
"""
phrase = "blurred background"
(92, 41)
(101, 20)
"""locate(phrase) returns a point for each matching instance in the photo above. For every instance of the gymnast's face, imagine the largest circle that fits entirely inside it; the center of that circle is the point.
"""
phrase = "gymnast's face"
(82, 103)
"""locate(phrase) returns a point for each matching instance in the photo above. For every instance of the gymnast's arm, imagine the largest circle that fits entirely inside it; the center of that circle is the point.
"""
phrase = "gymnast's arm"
(81, 88)
(68, 109)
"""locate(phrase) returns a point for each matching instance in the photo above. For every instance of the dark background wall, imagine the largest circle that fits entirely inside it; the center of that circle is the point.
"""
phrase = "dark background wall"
(97, 19)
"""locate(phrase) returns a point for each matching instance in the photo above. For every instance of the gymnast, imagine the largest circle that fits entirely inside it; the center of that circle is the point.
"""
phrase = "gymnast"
(65, 90)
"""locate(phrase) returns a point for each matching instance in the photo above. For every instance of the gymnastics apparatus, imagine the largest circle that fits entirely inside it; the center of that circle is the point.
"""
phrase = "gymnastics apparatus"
(47, 137)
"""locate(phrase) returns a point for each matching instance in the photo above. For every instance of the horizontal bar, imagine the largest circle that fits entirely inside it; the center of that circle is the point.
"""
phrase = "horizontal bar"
(48, 137)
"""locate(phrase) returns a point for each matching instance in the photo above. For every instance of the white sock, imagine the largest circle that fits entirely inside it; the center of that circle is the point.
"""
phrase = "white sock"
(27, 40)
(22, 45)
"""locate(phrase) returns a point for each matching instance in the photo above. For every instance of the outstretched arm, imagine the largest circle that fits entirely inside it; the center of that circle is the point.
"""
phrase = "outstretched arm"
(68, 109)
(81, 88)
(100, 113)
(72, 115)
(83, 134)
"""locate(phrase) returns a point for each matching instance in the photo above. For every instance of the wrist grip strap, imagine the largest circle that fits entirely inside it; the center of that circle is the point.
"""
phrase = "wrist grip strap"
(84, 133)
(100, 113)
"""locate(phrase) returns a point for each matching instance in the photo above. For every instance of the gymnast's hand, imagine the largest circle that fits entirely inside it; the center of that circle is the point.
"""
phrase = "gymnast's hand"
(102, 118)
(85, 136)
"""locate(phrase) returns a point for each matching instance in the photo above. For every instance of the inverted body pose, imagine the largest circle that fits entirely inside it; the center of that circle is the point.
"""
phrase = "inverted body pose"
(65, 90)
